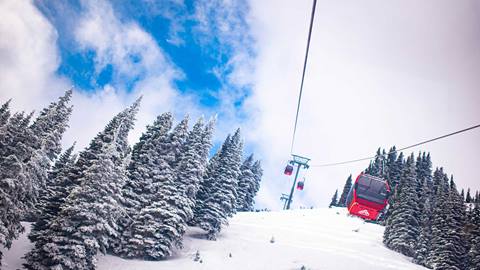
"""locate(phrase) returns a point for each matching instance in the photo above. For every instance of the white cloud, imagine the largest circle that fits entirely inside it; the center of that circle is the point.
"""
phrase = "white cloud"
(28, 56)
(378, 75)
(226, 22)
(131, 50)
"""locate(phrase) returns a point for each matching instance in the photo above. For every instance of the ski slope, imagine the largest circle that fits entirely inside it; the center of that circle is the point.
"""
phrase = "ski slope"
(316, 239)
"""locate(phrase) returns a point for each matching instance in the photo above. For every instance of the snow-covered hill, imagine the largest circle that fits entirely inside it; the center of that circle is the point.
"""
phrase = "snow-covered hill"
(316, 239)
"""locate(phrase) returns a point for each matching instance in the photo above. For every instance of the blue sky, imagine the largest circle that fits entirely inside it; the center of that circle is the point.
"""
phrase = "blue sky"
(200, 55)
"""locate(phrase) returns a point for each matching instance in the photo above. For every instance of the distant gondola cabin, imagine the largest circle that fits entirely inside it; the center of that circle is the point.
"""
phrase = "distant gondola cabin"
(300, 185)
(289, 170)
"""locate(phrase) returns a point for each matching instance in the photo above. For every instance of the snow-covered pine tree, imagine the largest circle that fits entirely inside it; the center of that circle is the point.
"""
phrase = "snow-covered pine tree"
(4, 113)
(448, 249)
(48, 129)
(206, 145)
(334, 201)
(192, 163)
(439, 181)
(394, 168)
(468, 197)
(422, 249)
(473, 236)
(176, 201)
(457, 220)
(440, 203)
(160, 225)
(258, 174)
(346, 188)
(177, 140)
(424, 176)
(474, 254)
(54, 194)
(474, 240)
(217, 197)
(207, 181)
(16, 149)
(87, 222)
(403, 225)
(141, 185)
(390, 168)
(166, 216)
(145, 170)
(64, 159)
(14, 185)
(377, 167)
(246, 181)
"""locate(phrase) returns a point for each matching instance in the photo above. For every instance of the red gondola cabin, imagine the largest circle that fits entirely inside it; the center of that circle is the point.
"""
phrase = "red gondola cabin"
(368, 197)
(288, 170)
(300, 185)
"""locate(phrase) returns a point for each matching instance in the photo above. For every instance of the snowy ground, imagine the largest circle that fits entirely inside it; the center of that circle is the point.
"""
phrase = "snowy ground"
(316, 239)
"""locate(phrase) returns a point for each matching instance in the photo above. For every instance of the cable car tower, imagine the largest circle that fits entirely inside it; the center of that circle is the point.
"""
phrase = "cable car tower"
(300, 162)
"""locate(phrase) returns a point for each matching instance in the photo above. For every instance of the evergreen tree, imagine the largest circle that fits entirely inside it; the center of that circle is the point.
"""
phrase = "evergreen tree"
(257, 173)
(208, 180)
(87, 221)
(448, 238)
(217, 198)
(403, 225)
(160, 225)
(177, 139)
(142, 184)
(334, 201)
(390, 166)
(424, 179)
(474, 240)
(468, 198)
(48, 129)
(15, 187)
(147, 169)
(207, 142)
(54, 195)
(26, 154)
(378, 166)
(65, 159)
(167, 215)
(439, 214)
(5, 113)
(472, 230)
(422, 249)
(474, 254)
(193, 161)
(395, 169)
(342, 202)
(246, 182)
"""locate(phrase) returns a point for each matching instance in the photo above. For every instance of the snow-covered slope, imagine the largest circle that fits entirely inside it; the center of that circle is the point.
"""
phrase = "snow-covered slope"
(316, 239)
